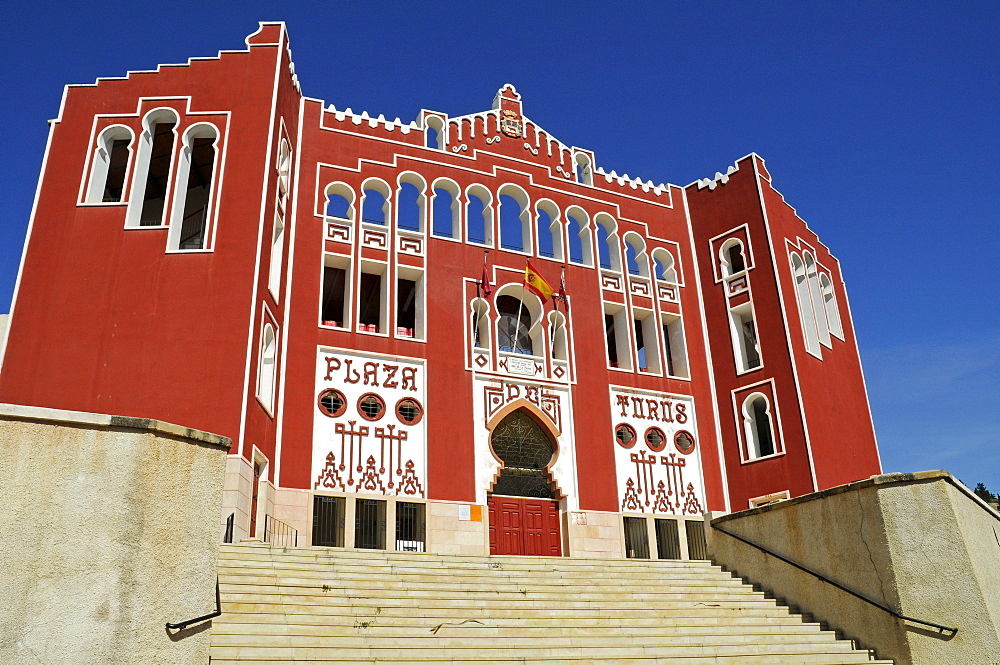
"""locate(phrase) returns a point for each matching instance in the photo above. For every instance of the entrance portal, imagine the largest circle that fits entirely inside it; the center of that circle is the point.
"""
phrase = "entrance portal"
(524, 526)
(523, 510)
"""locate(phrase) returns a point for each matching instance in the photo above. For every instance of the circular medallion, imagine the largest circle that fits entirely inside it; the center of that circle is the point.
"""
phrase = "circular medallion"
(625, 435)
(332, 403)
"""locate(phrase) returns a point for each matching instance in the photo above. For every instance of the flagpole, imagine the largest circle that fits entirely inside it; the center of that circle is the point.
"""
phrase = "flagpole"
(520, 307)
(479, 294)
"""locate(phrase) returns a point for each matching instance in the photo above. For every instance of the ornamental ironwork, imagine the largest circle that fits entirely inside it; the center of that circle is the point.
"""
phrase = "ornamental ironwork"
(525, 450)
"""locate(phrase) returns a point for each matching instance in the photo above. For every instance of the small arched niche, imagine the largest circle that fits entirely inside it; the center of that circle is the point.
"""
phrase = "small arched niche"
(584, 169)
(411, 202)
(607, 242)
(375, 206)
(732, 258)
(479, 215)
(109, 168)
(635, 255)
(666, 270)
(339, 201)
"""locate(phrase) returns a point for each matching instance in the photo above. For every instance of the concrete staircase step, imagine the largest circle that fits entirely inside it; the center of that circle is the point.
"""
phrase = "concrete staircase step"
(327, 605)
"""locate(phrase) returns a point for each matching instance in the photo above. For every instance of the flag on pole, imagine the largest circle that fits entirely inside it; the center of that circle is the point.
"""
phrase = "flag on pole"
(535, 283)
(562, 289)
(485, 283)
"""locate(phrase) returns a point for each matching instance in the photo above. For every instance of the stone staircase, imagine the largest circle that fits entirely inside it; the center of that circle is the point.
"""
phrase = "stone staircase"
(349, 606)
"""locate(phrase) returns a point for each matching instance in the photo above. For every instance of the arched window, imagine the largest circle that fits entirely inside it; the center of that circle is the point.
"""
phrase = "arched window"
(745, 342)
(806, 315)
(515, 219)
(549, 230)
(557, 333)
(757, 426)
(434, 134)
(374, 202)
(193, 203)
(284, 165)
(411, 202)
(480, 324)
(479, 215)
(666, 270)
(584, 169)
(147, 201)
(607, 242)
(635, 255)
(525, 450)
(578, 232)
(266, 367)
(832, 310)
(447, 223)
(340, 201)
(277, 255)
(110, 165)
(284, 169)
(732, 258)
(816, 296)
(514, 325)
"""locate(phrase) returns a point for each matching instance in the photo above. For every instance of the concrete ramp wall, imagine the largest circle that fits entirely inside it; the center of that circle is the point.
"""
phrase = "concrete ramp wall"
(921, 544)
(110, 531)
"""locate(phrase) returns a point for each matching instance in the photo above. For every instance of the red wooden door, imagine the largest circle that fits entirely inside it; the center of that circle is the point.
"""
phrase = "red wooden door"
(253, 499)
(524, 526)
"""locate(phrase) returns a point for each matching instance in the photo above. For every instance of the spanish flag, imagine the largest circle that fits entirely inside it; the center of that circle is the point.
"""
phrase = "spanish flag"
(536, 284)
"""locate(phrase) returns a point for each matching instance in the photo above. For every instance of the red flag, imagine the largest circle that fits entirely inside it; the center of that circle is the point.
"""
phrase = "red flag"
(485, 283)
(562, 288)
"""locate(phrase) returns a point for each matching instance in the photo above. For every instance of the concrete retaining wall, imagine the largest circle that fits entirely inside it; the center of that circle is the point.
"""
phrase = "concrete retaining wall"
(110, 532)
(921, 544)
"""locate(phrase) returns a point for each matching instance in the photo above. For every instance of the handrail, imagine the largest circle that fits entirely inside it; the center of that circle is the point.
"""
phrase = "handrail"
(276, 530)
(218, 612)
(230, 524)
(944, 629)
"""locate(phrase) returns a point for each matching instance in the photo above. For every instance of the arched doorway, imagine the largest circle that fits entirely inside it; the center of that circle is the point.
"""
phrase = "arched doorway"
(523, 505)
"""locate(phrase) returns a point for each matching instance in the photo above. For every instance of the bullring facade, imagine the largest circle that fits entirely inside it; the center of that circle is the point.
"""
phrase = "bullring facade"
(347, 298)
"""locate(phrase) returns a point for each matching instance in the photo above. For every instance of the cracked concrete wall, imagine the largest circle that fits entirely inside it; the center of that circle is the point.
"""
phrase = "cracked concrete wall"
(111, 532)
(946, 563)
(919, 543)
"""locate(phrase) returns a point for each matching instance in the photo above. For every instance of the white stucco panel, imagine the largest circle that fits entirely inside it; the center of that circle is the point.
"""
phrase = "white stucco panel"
(491, 395)
(356, 451)
(657, 462)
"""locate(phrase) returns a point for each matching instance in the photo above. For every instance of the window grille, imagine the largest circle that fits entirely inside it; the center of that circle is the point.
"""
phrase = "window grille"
(328, 521)
(409, 411)
(371, 406)
(697, 547)
(525, 450)
(625, 435)
(684, 442)
(656, 439)
(636, 539)
(668, 542)
(332, 403)
(410, 527)
(369, 524)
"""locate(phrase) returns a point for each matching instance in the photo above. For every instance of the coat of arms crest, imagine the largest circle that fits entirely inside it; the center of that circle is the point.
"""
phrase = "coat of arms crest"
(511, 124)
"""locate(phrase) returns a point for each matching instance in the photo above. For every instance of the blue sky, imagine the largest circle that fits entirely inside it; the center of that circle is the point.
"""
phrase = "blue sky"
(878, 122)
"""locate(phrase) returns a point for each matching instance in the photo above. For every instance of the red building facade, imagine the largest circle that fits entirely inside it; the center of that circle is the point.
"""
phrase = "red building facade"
(344, 296)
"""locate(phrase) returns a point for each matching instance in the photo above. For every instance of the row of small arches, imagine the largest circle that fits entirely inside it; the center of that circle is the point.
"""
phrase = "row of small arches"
(817, 303)
(151, 180)
(561, 235)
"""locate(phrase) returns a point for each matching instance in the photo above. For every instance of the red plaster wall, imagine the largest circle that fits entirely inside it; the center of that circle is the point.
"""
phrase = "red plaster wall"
(105, 320)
